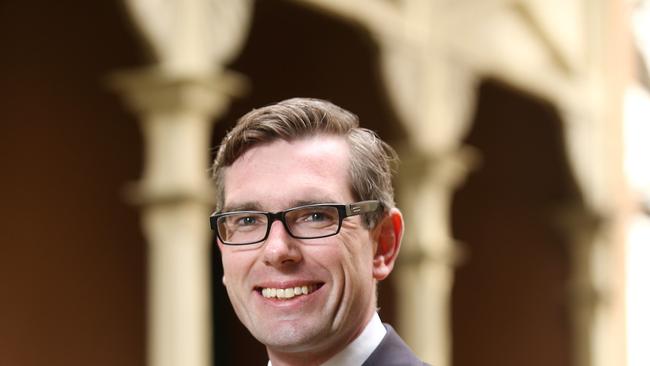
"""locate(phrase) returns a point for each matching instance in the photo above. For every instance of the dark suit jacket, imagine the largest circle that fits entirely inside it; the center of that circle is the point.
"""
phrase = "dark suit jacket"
(392, 351)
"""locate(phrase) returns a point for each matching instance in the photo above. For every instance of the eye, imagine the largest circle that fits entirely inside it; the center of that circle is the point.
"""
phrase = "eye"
(317, 216)
(246, 221)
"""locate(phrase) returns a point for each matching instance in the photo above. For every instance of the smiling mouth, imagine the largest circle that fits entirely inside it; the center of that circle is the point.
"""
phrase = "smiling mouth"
(288, 293)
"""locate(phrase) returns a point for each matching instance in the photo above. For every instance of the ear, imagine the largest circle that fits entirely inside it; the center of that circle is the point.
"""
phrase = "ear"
(389, 233)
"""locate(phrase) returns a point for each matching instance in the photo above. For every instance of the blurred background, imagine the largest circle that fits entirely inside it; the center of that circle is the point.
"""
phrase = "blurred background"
(522, 126)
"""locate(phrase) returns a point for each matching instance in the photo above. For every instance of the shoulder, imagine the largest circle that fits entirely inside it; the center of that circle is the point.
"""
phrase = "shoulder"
(393, 351)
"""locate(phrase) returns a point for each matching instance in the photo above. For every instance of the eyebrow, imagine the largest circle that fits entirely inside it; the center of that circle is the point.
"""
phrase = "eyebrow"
(244, 206)
(256, 206)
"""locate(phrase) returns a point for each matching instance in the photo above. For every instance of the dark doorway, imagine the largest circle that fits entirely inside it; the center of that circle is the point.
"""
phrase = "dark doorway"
(510, 298)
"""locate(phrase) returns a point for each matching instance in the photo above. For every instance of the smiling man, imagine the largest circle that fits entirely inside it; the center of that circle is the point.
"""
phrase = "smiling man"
(307, 226)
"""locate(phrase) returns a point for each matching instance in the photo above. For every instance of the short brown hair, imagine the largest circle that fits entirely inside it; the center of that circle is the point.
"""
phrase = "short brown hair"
(371, 160)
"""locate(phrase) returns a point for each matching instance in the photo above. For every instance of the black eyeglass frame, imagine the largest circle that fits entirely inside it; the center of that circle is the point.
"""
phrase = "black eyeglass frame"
(352, 209)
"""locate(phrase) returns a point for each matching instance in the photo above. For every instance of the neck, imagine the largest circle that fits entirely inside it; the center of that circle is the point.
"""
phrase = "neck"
(297, 359)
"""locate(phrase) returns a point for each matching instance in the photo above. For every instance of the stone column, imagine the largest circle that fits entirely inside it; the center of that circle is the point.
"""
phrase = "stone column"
(429, 253)
(175, 196)
(176, 100)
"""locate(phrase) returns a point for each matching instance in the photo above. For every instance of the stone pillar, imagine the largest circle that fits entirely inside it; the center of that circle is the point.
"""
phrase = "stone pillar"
(176, 100)
(175, 196)
(594, 226)
(429, 254)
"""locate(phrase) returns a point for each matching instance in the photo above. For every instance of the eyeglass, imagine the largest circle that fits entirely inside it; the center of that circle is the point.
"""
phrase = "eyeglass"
(304, 222)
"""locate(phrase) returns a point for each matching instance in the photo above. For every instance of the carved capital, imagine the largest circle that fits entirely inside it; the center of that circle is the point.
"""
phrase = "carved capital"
(153, 90)
(448, 168)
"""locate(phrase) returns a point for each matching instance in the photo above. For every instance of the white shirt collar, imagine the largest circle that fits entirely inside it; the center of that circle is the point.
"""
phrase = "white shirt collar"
(355, 353)
(360, 349)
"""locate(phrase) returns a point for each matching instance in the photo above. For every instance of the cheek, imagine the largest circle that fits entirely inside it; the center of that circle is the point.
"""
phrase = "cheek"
(357, 243)
(356, 255)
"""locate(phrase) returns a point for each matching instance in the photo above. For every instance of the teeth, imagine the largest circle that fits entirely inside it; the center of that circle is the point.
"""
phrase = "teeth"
(287, 293)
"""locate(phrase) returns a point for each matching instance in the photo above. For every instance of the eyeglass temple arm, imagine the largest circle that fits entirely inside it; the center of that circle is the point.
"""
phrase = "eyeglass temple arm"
(362, 207)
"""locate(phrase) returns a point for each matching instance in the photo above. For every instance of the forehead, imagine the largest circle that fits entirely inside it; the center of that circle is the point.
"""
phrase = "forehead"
(280, 174)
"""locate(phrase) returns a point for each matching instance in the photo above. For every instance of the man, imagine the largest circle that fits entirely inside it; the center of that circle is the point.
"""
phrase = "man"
(306, 225)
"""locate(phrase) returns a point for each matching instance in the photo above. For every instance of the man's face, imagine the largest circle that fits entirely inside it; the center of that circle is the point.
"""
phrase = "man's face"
(337, 270)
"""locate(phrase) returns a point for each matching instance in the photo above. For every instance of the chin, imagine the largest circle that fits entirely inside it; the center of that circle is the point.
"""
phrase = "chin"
(290, 338)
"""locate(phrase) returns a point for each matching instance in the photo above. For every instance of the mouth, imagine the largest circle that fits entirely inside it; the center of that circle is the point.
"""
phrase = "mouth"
(288, 293)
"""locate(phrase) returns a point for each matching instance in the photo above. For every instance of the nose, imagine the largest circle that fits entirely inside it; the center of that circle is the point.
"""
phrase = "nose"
(280, 249)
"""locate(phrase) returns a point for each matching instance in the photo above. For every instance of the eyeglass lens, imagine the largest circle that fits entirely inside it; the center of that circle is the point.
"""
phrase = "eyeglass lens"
(304, 222)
